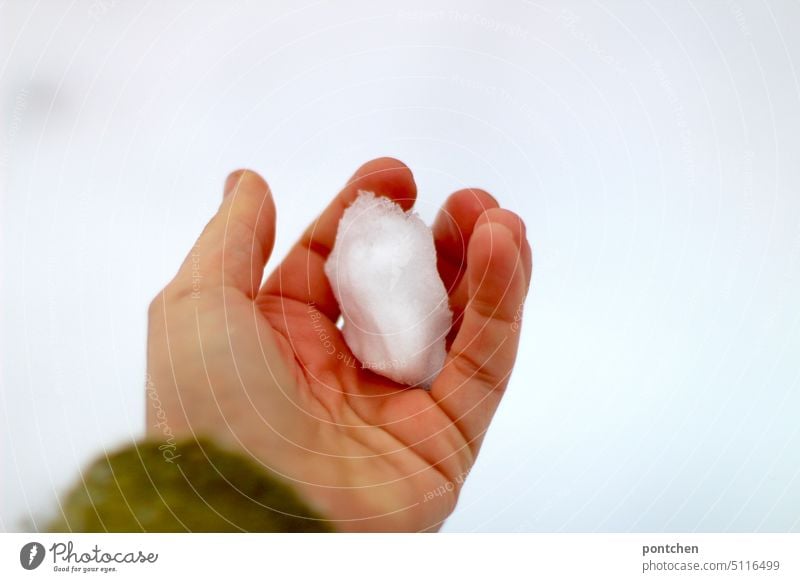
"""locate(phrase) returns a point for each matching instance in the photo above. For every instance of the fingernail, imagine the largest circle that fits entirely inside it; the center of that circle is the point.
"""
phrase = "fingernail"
(513, 223)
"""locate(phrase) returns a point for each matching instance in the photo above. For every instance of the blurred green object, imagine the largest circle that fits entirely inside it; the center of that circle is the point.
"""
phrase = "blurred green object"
(199, 487)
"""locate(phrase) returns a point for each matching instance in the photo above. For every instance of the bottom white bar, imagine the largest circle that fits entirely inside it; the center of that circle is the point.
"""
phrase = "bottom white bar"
(413, 557)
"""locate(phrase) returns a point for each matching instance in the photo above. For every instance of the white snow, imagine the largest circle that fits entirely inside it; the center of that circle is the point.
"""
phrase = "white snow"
(383, 274)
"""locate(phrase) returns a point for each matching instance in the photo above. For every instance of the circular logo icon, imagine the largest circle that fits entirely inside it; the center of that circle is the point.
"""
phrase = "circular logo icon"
(31, 555)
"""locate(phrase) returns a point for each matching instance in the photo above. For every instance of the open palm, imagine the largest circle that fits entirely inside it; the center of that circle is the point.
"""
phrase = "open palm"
(264, 369)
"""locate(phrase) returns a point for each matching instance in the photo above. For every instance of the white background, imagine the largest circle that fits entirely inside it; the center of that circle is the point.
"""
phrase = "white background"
(651, 147)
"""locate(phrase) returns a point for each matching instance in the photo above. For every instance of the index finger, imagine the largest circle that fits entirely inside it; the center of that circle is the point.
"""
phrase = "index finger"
(301, 275)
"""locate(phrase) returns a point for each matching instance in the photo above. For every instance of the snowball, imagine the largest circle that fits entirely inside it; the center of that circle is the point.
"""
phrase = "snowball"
(383, 273)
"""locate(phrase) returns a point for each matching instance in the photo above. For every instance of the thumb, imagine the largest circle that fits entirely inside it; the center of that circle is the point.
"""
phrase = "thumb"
(235, 245)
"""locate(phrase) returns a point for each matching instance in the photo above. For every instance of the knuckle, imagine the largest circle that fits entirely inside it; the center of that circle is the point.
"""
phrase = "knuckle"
(471, 368)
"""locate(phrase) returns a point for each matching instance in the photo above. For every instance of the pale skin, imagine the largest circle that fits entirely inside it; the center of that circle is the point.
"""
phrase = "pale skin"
(243, 362)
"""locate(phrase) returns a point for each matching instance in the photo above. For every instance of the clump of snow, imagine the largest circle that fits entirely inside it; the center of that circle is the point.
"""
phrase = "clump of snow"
(394, 304)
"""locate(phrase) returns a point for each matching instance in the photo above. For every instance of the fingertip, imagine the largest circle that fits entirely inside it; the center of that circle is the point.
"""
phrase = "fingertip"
(231, 181)
(245, 179)
(387, 177)
(387, 163)
(248, 194)
(491, 231)
(455, 223)
(480, 196)
(475, 199)
(517, 227)
(509, 219)
(493, 253)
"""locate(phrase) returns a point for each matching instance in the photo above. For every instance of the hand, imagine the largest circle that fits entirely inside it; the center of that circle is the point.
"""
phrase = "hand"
(264, 370)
